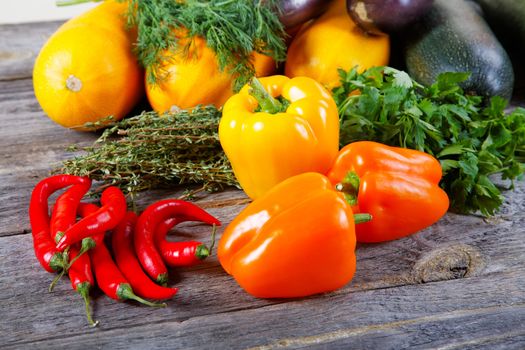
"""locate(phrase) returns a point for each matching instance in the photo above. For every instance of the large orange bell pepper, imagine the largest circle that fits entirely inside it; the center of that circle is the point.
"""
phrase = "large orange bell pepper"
(296, 240)
(278, 127)
(397, 186)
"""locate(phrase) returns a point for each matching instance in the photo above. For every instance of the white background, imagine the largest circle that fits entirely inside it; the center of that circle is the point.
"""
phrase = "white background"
(20, 11)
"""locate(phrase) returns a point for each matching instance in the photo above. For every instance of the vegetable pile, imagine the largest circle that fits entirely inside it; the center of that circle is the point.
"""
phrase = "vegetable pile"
(341, 148)
(137, 243)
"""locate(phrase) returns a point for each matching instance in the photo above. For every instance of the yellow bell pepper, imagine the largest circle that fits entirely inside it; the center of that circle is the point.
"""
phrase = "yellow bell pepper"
(277, 127)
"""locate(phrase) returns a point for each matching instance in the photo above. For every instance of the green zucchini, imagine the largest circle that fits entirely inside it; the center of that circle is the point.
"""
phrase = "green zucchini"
(453, 37)
(507, 19)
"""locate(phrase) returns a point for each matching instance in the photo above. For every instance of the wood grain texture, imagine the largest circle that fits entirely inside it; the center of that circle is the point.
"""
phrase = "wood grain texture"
(459, 284)
(19, 47)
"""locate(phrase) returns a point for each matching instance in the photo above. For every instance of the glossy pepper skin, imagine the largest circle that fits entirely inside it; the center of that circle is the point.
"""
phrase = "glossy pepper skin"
(296, 240)
(127, 262)
(48, 255)
(106, 218)
(397, 186)
(144, 239)
(265, 148)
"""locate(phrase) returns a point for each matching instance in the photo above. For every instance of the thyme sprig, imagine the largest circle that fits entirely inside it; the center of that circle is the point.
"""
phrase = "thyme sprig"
(151, 151)
(233, 29)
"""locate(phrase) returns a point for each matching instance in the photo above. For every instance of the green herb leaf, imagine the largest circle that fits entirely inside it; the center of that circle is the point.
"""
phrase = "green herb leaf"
(233, 29)
(471, 141)
(151, 151)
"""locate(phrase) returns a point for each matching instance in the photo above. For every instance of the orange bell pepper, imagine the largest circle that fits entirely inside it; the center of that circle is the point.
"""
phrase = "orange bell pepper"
(296, 240)
(278, 127)
(397, 186)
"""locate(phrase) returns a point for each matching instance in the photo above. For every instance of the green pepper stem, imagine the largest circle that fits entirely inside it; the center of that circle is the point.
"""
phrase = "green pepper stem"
(350, 187)
(87, 244)
(362, 218)
(162, 279)
(83, 290)
(213, 231)
(126, 292)
(266, 102)
(202, 252)
(57, 261)
(55, 280)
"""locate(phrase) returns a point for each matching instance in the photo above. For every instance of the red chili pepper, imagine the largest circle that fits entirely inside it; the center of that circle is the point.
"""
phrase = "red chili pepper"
(148, 223)
(109, 277)
(86, 209)
(174, 254)
(64, 213)
(124, 252)
(106, 218)
(51, 258)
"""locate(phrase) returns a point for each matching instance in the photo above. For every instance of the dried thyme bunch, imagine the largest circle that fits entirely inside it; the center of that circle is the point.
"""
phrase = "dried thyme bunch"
(151, 151)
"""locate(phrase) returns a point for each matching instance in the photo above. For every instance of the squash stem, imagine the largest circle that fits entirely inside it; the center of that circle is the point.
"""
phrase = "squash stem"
(72, 2)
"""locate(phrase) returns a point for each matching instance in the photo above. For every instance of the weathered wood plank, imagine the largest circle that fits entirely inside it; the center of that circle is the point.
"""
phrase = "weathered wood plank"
(19, 47)
(489, 254)
(452, 314)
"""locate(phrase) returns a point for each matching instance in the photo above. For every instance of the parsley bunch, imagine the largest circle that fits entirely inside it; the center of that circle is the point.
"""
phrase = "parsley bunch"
(470, 139)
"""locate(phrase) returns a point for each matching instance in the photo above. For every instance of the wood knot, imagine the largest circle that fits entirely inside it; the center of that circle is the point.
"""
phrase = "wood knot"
(448, 262)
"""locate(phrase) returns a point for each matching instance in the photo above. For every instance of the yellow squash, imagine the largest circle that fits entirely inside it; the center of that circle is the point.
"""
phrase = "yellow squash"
(196, 79)
(334, 41)
(86, 71)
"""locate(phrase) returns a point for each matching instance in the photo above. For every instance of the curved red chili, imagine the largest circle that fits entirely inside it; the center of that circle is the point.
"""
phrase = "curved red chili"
(174, 254)
(46, 252)
(110, 279)
(147, 224)
(64, 213)
(124, 253)
(106, 218)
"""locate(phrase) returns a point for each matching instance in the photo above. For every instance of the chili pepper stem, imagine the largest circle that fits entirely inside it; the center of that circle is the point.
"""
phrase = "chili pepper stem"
(362, 218)
(126, 292)
(162, 279)
(55, 280)
(202, 252)
(57, 262)
(87, 244)
(213, 232)
(83, 290)
(266, 102)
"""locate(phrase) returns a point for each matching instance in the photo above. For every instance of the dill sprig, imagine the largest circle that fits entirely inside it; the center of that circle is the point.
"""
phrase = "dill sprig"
(153, 151)
(233, 29)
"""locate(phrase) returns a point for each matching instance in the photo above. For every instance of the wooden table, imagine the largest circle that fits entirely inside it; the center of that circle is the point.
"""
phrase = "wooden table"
(459, 284)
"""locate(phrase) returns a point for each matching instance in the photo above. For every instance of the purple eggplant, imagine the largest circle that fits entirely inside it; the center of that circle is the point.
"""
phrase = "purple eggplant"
(296, 12)
(386, 16)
